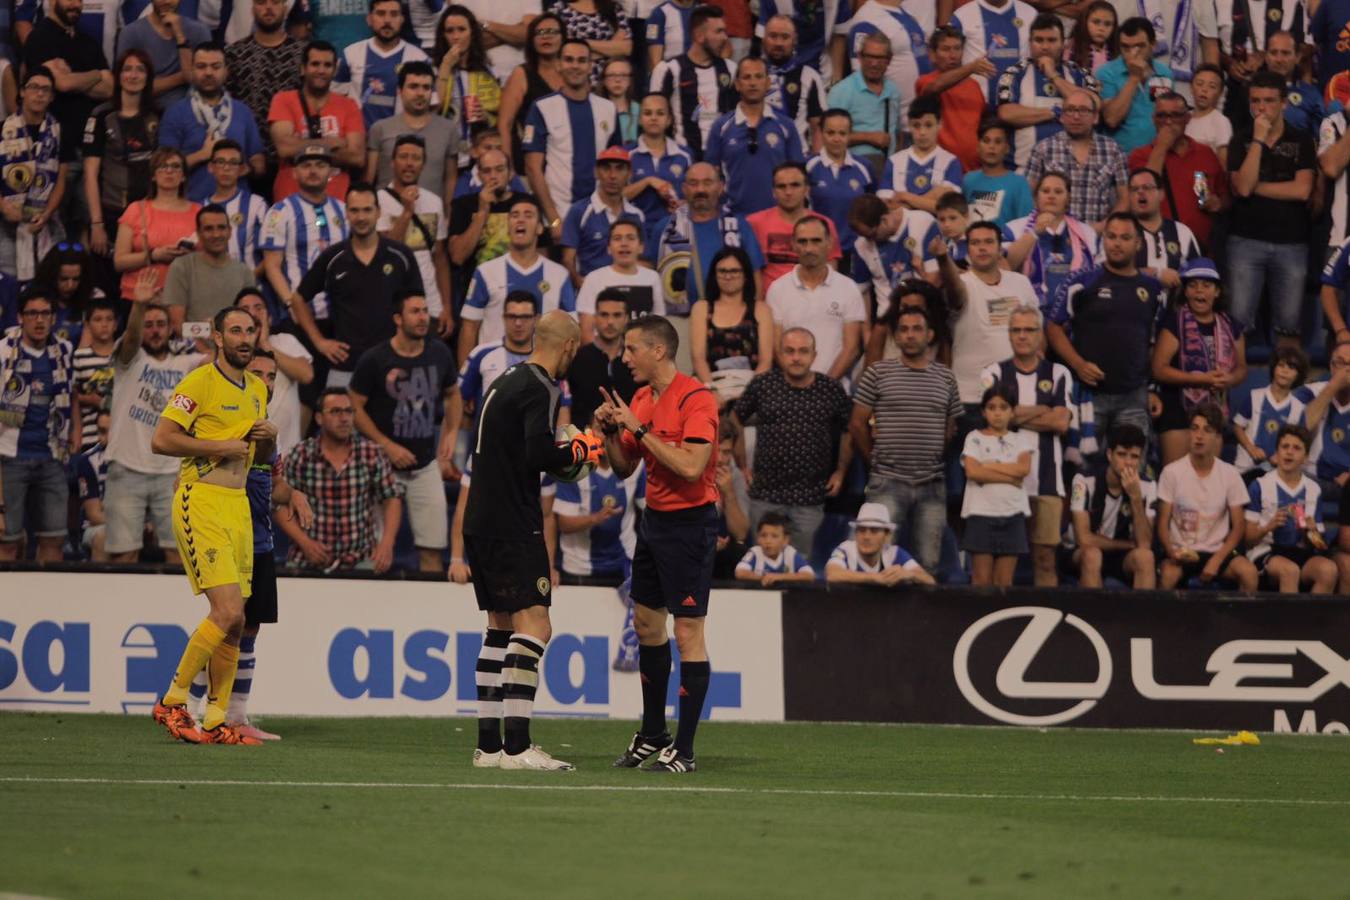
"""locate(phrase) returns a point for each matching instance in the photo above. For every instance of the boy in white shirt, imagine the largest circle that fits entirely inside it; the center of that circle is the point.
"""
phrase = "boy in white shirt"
(641, 286)
(1208, 125)
(919, 175)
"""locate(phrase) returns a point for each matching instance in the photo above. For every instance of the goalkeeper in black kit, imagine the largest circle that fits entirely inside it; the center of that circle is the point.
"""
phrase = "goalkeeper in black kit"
(504, 540)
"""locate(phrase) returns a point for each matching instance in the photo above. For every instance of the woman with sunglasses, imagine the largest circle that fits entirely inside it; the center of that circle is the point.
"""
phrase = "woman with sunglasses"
(463, 80)
(118, 142)
(733, 332)
(157, 230)
(538, 77)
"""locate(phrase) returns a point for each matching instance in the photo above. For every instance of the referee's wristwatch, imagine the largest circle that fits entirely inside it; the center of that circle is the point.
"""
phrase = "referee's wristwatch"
(641, 433)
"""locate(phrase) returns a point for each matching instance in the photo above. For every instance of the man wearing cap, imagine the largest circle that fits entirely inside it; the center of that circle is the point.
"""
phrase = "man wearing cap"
(1167, 244)
(585, 230)
(361, 277)
(869, 558)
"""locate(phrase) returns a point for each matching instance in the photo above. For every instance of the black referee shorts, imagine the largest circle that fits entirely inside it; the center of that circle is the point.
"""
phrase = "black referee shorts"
(261, 608)
(673, 562)
(509, 576)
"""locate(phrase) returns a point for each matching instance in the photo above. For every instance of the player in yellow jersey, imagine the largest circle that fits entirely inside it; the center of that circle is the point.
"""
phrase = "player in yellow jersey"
(215, 422)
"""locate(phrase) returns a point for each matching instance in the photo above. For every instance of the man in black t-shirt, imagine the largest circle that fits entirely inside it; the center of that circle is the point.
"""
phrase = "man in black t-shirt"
(504, 539)
(400, 389)
(600, 363)
(1273, 168)
(361, 276)
(76, 62)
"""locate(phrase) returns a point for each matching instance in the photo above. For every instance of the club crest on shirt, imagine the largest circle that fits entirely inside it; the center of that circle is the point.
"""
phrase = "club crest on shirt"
(1049, 89)
(1296, 99)
(1044, 385)
(921, 181)
(542, 586)
(388, 268)
(543, 288)
(771, 139)
(1017, 22)
(852, 184)
(1275, 14)
(1142, 294)
(1337, 435)
(676, 169)
(211, 553)
(1173, 247)
(236, 219)
(1272, 426)
(724, 79)
(910, 243)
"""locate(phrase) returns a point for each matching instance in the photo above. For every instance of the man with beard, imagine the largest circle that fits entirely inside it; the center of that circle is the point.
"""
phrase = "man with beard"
(202, 283)
(314, 114)
(698, 84)
(796, 90)
(395, 392)
(263, 65)
(414, 214)
(215, 422)
(439, 135)
(369, 69)
(503, 532)
(140, 481)
(360, 277)
(208, 115)
(76, 61)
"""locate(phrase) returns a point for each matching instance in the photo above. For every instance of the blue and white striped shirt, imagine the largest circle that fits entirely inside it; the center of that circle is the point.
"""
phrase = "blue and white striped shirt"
(668, 28)
(570, 133)
(496, 278)
(606, 548)
(246, 211)
(369, 76)
(905, 171)
(789, 562)
(300, 231)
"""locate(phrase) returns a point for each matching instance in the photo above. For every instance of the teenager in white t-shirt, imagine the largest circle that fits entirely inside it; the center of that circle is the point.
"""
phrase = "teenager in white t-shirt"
(1201, 507)
(641, 286)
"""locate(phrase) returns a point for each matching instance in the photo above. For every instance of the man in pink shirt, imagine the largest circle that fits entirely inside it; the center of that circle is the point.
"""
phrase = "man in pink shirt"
(314, 114)
(773, 226)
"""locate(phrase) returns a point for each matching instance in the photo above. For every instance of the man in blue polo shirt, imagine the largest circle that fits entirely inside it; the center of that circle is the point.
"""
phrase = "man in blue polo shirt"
(207, 115)
(1129, 84)
(585, 232)
(751, 140)
(873, 102)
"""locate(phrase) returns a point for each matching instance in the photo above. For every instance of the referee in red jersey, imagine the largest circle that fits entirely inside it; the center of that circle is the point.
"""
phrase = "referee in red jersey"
(672, 426)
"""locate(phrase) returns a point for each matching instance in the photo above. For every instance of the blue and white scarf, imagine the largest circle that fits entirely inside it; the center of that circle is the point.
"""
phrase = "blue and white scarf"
(16, 393)
(28, 167)
(1179, 45)
(215, 119)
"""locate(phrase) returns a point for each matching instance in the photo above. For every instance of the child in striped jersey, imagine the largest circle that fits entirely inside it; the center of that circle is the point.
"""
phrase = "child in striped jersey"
(773, 560)
(1284, 522)
(1260, 415)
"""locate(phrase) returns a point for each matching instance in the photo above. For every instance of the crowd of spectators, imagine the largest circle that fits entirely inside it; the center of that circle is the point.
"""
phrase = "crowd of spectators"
(986, 292)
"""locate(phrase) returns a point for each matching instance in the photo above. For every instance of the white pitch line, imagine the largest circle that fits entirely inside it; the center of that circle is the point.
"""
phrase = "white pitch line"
(670, 789)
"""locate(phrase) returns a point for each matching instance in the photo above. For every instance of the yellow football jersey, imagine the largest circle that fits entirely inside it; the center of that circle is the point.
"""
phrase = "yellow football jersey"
(212, 407)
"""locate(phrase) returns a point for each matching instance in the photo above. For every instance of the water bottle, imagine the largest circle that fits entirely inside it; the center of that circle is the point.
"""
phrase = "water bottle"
(1200, 185)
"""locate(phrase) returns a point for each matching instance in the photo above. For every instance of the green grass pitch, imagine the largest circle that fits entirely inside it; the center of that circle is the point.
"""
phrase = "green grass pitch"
(108, 806)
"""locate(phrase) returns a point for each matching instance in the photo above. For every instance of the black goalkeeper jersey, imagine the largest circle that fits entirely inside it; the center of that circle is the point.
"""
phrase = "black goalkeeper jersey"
(515, 444)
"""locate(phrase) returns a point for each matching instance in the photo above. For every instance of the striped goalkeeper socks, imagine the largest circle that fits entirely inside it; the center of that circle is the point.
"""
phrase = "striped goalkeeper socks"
(489, 679)
(520, 680)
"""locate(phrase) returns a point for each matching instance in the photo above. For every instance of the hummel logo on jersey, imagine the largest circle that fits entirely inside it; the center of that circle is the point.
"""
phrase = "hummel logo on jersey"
(689, 601)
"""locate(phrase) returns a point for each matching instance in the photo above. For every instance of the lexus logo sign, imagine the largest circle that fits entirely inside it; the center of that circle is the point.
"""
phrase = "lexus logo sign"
(1011, 677)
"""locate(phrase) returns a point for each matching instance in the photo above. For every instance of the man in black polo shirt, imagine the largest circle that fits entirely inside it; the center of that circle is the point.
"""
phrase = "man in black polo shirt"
(600, 364)
(360, 276)
(76, 62)
(1101, 325)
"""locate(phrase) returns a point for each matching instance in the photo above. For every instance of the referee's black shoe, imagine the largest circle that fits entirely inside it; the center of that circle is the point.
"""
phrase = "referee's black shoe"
(641, 748)
(670, 760)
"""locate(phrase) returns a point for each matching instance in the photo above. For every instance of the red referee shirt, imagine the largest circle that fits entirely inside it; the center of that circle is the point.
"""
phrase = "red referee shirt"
(685, 413)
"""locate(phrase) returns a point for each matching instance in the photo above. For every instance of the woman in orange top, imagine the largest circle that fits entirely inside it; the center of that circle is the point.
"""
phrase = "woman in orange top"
(157, 230)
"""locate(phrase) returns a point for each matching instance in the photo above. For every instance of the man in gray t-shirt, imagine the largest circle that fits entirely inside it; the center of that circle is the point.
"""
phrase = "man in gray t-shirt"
(440, 135)
(202, 283)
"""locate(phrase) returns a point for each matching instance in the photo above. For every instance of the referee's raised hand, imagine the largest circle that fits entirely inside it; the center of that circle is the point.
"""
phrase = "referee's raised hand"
(619, 412)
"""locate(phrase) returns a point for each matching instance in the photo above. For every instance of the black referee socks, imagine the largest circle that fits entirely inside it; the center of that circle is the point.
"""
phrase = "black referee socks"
(654, 670)
(694, 678)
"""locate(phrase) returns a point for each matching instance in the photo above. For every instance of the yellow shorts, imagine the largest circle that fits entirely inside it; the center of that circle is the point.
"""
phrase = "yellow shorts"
(214, 531)
(1046, 515)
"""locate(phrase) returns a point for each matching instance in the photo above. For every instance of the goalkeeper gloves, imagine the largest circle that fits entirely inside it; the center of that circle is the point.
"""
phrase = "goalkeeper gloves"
(586, 448)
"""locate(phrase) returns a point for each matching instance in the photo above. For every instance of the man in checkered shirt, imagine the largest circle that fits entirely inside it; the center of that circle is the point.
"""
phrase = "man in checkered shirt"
(346, 477)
